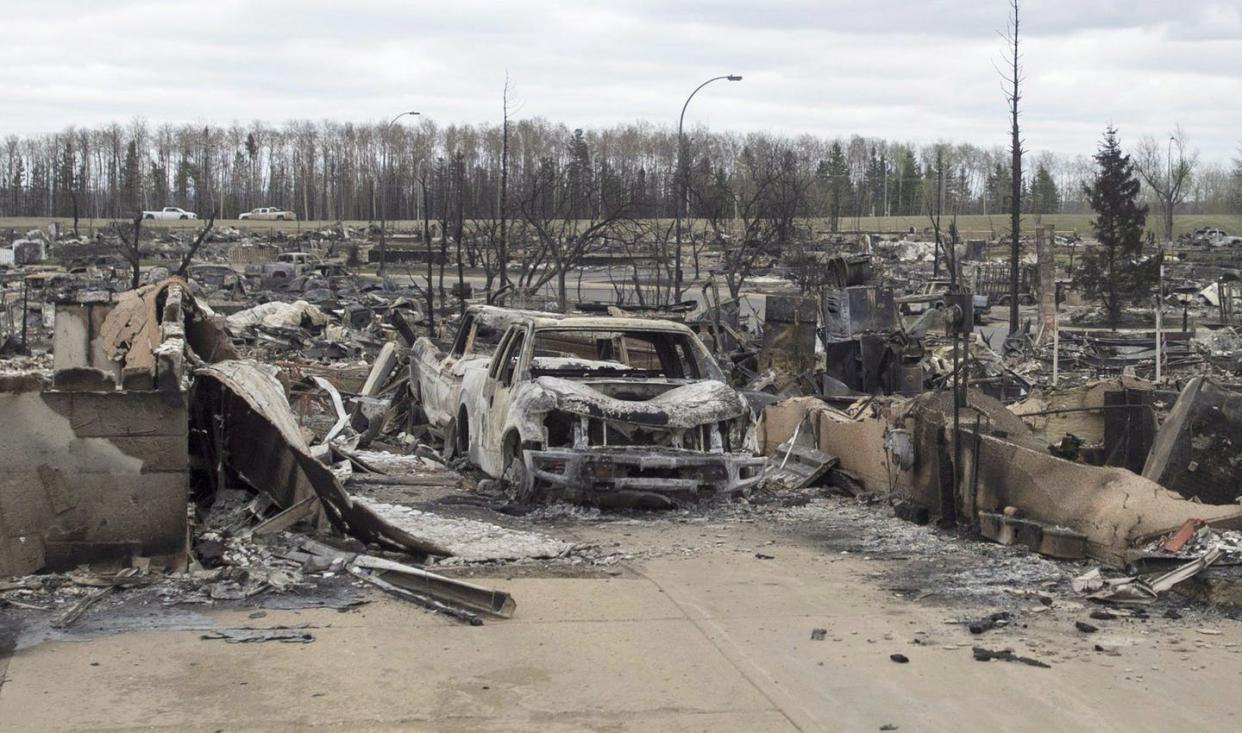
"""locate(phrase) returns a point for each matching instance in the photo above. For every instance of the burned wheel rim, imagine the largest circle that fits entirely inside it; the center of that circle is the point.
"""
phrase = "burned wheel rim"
(515, 479)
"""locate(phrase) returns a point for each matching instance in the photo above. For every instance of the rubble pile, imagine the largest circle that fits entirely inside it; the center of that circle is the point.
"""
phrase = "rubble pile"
(327, 431)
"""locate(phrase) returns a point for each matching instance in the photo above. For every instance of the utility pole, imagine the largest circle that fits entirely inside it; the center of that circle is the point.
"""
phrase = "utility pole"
(1159, 340)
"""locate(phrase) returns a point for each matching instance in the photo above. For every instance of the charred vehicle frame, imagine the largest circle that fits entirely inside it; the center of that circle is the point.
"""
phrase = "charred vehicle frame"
(606, 411)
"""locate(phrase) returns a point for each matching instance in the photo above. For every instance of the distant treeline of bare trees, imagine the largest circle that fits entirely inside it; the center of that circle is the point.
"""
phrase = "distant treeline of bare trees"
(333, 171)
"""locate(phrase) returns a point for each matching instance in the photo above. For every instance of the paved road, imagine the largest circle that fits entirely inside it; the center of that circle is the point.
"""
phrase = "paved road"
(700, 636)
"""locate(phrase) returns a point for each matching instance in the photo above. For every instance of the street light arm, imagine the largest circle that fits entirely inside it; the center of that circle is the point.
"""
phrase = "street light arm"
(681, 120)
(393, 121)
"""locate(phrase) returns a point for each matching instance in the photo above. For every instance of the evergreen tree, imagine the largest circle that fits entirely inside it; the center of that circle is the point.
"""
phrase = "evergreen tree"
(1045, 199)
(836, 175)
(578, 176)
(909, 181)
(131, 182)
(999, 188)
(37, 202)
(17, 181)
(159, 184)
(875, 183)
(64, 183)
(1115, 272)
(187, 176)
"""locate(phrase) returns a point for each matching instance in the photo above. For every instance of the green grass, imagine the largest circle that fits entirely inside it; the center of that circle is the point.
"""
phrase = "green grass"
(969, 227)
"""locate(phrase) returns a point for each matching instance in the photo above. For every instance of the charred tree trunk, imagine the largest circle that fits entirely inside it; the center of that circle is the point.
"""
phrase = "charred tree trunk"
(1015, 145)
(562, 294)
(132, 252)
(198, 242)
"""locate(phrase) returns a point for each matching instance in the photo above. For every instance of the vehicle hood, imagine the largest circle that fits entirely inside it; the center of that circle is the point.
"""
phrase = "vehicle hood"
(654, 403)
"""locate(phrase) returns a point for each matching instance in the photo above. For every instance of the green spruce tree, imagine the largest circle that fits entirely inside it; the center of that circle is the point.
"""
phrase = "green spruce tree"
(836, 174)
(1115, 272)
(1045, 199)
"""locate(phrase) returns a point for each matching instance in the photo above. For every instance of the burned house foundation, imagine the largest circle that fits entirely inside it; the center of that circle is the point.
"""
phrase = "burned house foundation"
(1007, 484)
(94, 462)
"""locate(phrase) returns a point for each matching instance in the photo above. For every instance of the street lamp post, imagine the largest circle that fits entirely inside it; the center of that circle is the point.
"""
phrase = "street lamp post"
(1169, 209)
(384, 195)
(683, 176)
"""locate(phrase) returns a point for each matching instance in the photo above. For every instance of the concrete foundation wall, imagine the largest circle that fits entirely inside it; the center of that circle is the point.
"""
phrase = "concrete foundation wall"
(90, 476)
(1113, 508)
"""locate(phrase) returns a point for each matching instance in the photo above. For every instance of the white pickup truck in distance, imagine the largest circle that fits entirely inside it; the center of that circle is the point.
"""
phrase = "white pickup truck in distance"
(169, 212)
(268, 213)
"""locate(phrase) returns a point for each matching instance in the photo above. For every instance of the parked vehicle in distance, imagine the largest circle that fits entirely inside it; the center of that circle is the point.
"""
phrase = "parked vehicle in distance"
(169, 212)
(931, 295)
(269, 213)
(302, 260)
(288, 265)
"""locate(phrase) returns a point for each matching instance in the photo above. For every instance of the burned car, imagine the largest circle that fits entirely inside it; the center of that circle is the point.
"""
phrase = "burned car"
(605, 411)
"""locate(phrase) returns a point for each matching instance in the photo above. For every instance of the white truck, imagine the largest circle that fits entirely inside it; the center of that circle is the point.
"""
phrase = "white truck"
(169, 212)
(268, 213)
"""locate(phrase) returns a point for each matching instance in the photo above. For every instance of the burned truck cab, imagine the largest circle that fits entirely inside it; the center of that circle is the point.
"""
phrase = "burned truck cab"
(610, 412)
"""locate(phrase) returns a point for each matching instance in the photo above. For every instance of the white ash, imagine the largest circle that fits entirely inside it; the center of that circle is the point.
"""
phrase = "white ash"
(469, 540)
(397, 462)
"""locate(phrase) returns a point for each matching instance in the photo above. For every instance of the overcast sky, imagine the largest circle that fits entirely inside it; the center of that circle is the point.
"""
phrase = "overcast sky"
(902, 69)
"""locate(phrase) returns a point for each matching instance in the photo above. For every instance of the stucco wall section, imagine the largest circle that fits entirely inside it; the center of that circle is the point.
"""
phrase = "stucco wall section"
(91, 475)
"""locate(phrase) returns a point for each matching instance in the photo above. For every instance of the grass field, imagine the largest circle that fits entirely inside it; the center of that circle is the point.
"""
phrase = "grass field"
(970, 227)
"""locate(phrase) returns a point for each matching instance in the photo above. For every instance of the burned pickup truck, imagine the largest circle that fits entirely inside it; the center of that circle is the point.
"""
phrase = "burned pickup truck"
(605, 411)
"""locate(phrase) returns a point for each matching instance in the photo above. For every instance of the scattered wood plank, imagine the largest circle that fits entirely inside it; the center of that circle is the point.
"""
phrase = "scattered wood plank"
(304, 509)
(75, 612)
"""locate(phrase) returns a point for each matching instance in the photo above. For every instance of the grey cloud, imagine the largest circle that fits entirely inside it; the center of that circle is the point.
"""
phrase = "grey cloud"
(907, 70)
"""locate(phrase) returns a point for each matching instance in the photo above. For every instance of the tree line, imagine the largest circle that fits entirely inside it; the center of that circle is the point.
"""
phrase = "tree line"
(368, 171)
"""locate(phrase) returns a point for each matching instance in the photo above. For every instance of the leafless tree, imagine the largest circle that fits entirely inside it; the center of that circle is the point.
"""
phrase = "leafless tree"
(459, 229)
(447, 202)
(935, 210)
(1166, 167)
(502, 252)
(131, 249)
(482, 250)
(648, 246)
(767, 194)
(327, 170)
(193, 249)
(1012, 79)
(430, 289)
(556, 241)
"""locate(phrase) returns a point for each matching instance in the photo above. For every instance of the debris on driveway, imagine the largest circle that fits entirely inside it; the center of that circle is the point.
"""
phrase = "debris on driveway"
(1005, 655)
(1140, 590)
(252, 635)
